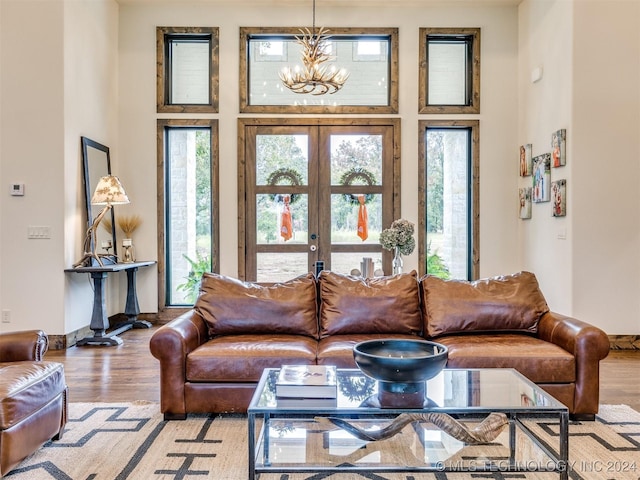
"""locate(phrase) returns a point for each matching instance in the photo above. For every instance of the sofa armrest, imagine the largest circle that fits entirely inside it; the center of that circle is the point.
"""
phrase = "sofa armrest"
(588, 344)
(23, 346)
(171, 344)
(575, 336)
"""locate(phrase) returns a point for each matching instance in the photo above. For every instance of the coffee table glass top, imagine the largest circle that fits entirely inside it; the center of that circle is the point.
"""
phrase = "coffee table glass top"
(309, 435)
(451, 390)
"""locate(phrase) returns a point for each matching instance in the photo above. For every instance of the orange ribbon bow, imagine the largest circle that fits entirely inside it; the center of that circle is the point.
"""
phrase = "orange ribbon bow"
(286, 225)
(363, 219)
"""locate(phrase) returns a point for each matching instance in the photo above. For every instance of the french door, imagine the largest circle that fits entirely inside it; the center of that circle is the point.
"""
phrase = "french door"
(315, 192)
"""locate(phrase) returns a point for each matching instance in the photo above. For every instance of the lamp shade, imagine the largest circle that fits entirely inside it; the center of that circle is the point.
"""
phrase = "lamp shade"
(109, 191)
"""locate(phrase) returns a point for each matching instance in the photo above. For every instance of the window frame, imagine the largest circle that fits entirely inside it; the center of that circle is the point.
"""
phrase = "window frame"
(164, 35)
(474, 194)
(249, 33)
(471, 35)
(162, 125)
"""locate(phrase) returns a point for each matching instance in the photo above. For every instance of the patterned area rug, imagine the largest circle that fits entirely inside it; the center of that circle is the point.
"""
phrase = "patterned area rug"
(132, 442)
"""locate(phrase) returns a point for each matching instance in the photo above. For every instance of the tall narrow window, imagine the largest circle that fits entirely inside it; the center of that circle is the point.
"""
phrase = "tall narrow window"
(187, 69)
(188, 216)
(449, 182)
(449, 75)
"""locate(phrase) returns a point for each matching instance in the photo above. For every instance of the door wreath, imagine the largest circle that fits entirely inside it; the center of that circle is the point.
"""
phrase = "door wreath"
(352, 175)
(348, 178)
(284, 174)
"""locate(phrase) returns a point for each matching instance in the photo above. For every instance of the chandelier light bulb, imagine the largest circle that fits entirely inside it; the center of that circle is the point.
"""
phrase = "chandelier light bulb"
(314, 77)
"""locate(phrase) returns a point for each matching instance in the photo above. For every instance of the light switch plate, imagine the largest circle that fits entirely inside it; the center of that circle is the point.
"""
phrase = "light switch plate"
(43, 232)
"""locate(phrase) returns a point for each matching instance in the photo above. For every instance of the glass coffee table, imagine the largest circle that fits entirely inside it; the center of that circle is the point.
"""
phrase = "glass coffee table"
(313, 436)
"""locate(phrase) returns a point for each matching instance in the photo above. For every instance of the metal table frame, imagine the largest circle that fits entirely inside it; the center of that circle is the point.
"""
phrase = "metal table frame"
(559, 459)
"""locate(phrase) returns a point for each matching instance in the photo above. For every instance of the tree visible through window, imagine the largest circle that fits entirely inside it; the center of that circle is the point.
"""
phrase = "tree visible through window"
(190, 214)
(449, 182)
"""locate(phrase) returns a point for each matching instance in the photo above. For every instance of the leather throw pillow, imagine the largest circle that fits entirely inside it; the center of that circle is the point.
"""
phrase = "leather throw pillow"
(504, 303)
(351, 305)
(232, 307)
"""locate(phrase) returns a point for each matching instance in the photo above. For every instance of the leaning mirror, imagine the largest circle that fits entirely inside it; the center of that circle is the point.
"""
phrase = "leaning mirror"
(97, 164)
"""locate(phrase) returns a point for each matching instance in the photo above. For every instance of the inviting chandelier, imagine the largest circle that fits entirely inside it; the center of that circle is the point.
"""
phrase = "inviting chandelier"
(314, 77)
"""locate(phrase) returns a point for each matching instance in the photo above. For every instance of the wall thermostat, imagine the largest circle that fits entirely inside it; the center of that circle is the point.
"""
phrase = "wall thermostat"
(17, 189)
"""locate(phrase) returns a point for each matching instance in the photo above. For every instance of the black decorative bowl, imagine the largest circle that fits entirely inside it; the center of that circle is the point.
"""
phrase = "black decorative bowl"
(400, 361)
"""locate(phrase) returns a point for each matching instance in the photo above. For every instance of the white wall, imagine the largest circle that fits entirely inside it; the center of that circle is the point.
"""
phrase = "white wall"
(90, 109)
(546, 42)
(606, 110)
(32, 133)
(59, 82)
(137, 145)
(590, 53)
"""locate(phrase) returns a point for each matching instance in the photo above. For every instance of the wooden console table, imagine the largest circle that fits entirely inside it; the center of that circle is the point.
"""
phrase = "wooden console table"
(99, 320)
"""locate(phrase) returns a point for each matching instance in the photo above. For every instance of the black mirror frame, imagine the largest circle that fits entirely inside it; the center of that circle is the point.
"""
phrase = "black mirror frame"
(87, 143)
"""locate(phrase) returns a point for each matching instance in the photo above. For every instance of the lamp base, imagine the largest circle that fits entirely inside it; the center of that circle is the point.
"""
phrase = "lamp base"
(90, 244)
(101, 259)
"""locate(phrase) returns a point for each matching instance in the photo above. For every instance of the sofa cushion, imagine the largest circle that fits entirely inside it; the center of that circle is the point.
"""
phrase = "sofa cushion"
(504, 303)
(539, 361)
(351, 304)
(338, 349)
(230, 306)
(242, 358)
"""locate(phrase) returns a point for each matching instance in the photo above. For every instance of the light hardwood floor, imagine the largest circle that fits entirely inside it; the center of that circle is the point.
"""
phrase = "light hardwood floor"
(129, 372)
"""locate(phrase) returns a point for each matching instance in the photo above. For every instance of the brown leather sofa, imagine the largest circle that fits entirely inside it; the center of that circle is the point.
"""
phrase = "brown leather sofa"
(211, 358)
(33, 397)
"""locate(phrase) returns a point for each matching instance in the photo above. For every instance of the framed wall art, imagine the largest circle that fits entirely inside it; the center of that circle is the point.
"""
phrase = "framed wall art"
(525, 160)
(524, 196)
(559, 196)
(559, 148)
(541, 178)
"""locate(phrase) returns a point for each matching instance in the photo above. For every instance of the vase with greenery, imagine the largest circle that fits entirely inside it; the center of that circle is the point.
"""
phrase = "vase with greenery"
(399, 239)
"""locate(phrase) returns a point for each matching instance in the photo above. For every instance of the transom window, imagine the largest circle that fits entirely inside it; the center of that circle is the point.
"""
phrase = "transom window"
(370, 56)
(187, 75)
(449, 76)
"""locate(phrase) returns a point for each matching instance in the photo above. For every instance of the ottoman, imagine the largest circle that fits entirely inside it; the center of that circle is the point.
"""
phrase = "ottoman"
(33, 408)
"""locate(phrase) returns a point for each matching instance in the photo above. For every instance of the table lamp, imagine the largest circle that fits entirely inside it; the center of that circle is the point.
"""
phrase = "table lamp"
(109, 192)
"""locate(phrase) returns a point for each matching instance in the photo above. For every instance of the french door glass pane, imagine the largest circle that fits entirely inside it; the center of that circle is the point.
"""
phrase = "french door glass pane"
(282, 160)
(345, 210)
(343, 262)
(280, 267)
(448, 198)
(188, 198)
(270, 211)
(356, 159)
